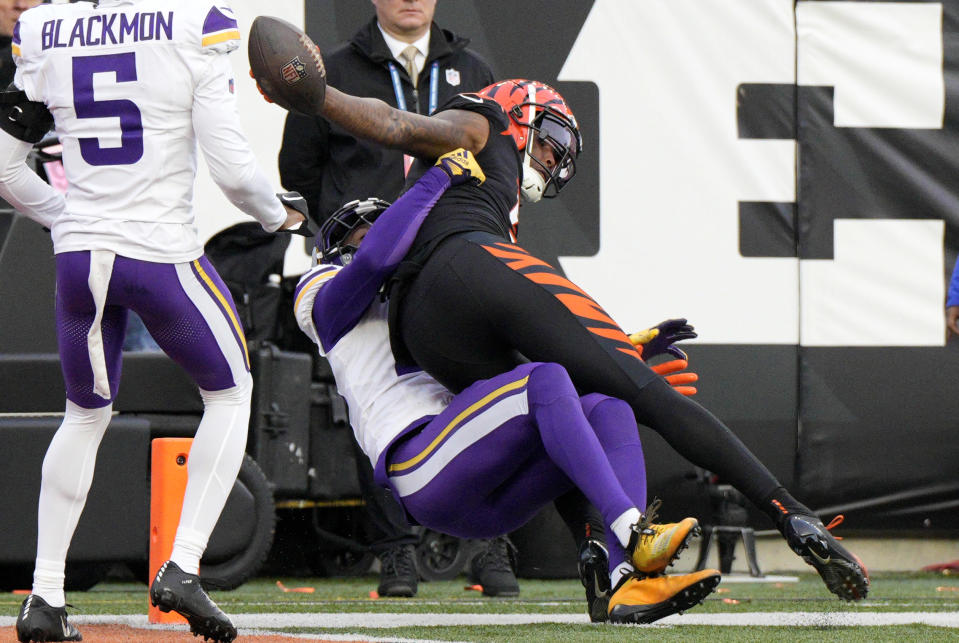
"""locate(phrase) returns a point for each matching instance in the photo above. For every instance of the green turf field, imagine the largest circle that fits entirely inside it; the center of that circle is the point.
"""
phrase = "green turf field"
(890, 593)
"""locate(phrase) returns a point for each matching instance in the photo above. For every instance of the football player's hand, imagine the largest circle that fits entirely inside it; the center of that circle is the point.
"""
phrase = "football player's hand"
(297, 214)
(662, 337)
(293, 218)
(461, 166)
(260, 89)
(672, 372)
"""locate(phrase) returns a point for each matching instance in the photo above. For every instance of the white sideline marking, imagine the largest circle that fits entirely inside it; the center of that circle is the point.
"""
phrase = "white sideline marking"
(789, 619)
(391, 620)
(335, 637)
(817, 619)
(768, 578)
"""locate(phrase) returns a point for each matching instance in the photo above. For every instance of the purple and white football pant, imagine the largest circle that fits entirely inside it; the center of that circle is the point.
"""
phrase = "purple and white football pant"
(507, 446)
(186, 307)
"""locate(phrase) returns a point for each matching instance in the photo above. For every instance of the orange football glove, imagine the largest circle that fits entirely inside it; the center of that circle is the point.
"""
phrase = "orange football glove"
(681, 381)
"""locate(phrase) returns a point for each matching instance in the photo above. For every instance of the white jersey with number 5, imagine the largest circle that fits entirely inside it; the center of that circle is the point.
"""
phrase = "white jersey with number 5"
(133, 85)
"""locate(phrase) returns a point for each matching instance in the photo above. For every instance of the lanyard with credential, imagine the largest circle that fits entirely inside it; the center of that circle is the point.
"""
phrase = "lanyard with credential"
(401, 99)
(398, 88)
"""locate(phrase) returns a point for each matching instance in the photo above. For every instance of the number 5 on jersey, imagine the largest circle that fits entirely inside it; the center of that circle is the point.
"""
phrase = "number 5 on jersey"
(87, 106)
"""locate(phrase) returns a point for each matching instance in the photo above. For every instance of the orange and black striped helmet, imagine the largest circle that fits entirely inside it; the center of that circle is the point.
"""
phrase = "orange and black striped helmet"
(537, 111)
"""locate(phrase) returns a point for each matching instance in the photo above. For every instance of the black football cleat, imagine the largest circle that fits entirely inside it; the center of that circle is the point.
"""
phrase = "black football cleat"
(841, 571)
(494, 568)
(40, 622)
(175, 590)
(638, 599)
(593, 565)
(398, 576)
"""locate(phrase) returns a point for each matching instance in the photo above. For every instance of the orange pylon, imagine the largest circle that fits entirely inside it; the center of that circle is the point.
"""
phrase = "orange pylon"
(168, 475)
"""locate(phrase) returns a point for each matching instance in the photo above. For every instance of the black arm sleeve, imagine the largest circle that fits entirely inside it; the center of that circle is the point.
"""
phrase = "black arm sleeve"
(23, 119)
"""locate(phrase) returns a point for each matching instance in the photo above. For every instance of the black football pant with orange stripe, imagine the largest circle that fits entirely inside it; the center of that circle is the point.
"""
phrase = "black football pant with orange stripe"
(481, 306)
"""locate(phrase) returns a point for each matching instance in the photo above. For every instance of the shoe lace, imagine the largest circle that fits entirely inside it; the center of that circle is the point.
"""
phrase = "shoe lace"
(397, 561)
(835, 522)
(645, 525)
(497, 556)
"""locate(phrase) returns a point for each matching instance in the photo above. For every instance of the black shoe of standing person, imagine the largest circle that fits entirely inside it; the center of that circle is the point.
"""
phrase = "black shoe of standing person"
(494, 568)
(175, 590)
(398, 576)
(39, 622)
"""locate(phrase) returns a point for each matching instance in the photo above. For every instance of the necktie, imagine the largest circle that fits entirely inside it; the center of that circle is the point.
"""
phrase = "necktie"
(409, 58)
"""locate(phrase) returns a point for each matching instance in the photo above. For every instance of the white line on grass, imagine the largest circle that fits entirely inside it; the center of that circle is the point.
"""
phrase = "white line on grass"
(350, 638)
(817, 619)
(390, 620)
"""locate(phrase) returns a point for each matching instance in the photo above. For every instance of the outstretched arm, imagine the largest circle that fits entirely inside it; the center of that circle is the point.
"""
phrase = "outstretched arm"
(273, 40)
(422, 136)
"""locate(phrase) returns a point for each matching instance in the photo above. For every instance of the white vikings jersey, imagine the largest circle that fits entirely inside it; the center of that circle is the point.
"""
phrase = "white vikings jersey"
(133, 85)
(381, 401)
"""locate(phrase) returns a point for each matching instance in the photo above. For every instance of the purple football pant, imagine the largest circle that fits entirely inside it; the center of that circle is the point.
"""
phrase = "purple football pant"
(507, 446)
(186, 307)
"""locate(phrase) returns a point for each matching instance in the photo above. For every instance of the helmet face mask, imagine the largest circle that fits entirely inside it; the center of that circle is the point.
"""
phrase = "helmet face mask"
(331, 241)
(554, 132)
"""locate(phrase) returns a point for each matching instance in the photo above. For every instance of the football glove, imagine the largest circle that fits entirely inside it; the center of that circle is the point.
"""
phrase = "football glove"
(296, 201)
(461, 166)
(661, 338)
(671, 372)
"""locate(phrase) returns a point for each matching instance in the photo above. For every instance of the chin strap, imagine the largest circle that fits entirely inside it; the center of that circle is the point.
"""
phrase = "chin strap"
(533, 185)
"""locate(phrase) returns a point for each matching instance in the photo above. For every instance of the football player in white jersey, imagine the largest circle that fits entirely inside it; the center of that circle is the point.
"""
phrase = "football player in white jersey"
(133, 87)
(482, 463)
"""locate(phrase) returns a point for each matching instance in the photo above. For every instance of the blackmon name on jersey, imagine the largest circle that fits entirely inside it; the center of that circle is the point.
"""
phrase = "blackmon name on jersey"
(107, 29)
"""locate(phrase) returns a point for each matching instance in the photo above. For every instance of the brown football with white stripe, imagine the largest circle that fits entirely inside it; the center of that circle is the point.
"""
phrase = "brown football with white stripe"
(287, 65)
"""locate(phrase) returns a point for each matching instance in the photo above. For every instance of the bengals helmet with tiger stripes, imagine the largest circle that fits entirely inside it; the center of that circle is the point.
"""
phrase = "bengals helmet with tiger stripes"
(537, 112)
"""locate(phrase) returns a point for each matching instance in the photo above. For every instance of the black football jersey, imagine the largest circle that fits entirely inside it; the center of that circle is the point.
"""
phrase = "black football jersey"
(467, 207)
